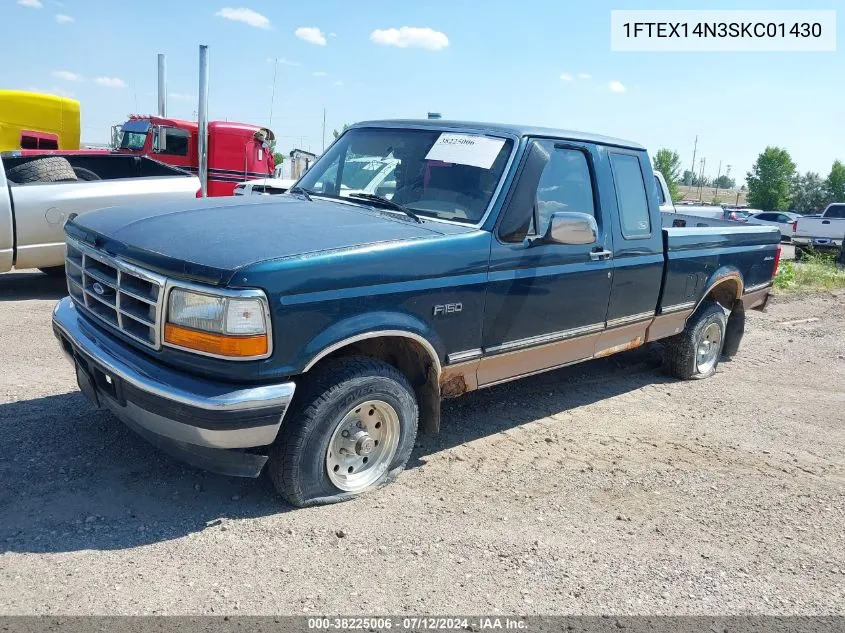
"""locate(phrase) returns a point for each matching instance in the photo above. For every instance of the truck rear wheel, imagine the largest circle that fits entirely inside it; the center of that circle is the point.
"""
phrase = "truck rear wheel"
(49, 169)
(695, 352)
(351, 429)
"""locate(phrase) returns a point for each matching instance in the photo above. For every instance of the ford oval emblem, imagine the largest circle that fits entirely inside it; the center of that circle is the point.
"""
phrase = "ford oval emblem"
(98, 288)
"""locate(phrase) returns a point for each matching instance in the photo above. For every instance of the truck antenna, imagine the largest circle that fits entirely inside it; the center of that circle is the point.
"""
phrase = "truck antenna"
(273, 94)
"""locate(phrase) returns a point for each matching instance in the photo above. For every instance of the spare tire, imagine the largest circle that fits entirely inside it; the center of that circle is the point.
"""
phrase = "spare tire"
(49, 169)
(85, 174)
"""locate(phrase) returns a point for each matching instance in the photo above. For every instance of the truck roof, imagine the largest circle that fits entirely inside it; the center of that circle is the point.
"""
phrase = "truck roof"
(193, 126)
(517, 130)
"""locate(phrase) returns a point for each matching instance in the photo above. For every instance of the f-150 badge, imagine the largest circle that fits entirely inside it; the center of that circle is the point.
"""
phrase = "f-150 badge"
(448, 308)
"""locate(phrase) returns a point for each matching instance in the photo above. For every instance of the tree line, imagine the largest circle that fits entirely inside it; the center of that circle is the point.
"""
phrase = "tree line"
(668, 163)
(774, 183)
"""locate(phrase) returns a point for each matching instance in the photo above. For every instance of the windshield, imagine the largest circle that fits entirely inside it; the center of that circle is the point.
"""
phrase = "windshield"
(451, 176)
(133, 140)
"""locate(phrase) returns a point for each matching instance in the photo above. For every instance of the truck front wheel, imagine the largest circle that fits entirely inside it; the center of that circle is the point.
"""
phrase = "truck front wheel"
(695, 352)
(351, 428)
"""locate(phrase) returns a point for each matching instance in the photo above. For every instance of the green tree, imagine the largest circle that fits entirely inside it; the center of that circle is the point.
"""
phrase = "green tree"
(809, 193)
(770, 180)
(668, 163)
(724, 182)
(335, 133)
(691, 179)
(835, 182)
(278, 157)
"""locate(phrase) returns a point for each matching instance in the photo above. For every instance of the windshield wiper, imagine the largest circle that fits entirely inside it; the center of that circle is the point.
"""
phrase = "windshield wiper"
(387, 203)
(302, 191)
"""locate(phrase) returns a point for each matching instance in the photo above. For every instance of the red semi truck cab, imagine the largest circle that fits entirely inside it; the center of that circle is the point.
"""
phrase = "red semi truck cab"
(236, 151)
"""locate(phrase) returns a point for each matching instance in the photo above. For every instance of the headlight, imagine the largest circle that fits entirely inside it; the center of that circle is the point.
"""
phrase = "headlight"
(220, 325)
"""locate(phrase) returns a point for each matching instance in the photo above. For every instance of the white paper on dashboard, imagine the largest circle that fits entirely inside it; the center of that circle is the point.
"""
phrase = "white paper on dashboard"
(466, 149)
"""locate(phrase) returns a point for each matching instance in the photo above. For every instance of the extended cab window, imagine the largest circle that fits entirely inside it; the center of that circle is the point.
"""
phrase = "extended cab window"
(631, 196)
(435, 173)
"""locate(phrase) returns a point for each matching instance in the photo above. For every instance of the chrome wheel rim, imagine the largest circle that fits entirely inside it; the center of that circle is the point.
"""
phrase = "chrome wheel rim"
(362, 446)
(707, 352)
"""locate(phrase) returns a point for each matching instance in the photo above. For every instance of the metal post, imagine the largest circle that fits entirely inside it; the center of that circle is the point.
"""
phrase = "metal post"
(692, 169)
(162, 85)
(273, 94)
(718, 175)
(701, 178)
(202, 140)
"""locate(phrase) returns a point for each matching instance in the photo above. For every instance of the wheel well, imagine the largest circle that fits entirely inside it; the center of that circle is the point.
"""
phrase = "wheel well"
(725, 292)
(412, 359)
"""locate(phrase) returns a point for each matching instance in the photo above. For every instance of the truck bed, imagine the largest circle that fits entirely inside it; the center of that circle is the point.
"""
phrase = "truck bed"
(704, 250)
(33, 214)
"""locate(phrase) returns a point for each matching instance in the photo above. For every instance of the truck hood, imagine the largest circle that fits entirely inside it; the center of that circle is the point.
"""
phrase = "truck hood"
(209, 240)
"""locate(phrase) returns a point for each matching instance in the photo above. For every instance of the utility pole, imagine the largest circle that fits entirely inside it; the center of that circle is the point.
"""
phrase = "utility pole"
(324, 130)
(701, 178)
(695, 147)
(718, 175)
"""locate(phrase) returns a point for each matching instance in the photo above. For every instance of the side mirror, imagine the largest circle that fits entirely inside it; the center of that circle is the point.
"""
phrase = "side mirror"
(571, 228)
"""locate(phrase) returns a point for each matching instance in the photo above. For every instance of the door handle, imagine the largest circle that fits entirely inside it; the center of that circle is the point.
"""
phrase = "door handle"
(600, 255)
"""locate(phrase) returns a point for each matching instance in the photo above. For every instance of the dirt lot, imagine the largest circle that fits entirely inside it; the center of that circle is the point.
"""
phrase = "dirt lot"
(604, 487)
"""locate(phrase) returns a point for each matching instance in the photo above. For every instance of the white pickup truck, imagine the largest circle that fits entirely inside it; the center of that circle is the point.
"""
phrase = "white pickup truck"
(824, 232)
(668, 206)
(39, 193)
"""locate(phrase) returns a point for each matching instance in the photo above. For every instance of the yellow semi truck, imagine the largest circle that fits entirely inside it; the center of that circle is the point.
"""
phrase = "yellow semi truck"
(30, 120)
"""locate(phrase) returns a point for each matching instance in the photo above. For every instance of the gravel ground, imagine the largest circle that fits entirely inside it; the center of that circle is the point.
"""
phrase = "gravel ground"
(604, 487)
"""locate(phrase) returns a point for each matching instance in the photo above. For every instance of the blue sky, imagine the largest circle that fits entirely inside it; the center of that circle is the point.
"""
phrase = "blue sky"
(494, 60)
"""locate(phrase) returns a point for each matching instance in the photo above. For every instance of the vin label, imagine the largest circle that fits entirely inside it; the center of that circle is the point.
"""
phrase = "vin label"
(723, 30)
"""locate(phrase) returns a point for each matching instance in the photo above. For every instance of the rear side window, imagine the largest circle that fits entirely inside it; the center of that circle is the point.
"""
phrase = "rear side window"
(631, 196)
(835, 211)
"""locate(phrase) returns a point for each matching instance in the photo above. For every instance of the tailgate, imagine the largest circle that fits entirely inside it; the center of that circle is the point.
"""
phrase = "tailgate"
(7, 224)
(833, 228)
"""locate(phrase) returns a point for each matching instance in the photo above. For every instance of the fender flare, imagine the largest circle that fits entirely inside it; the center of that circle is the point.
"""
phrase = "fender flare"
(721, 276)
(373, 325)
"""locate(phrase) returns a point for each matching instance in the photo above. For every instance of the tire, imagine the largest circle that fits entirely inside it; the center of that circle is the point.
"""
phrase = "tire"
(682, 358)
(799, 254)
(49, 169)
(85, 174)
(53, 271)
(327, 404)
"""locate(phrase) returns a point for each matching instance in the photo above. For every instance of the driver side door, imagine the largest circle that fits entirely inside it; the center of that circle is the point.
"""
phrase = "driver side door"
(547, 303)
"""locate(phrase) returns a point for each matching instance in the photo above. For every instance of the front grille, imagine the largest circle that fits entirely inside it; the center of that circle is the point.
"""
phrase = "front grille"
(122, 296)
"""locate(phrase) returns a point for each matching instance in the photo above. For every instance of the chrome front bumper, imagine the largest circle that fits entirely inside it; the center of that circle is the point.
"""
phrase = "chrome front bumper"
(198, 420)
